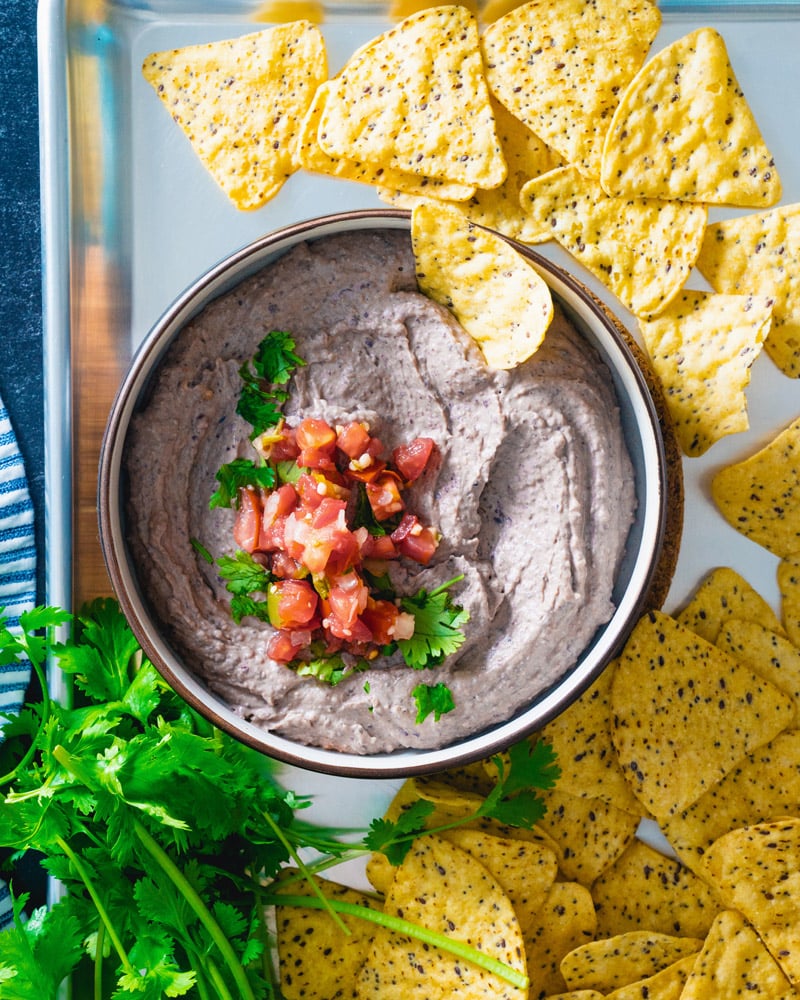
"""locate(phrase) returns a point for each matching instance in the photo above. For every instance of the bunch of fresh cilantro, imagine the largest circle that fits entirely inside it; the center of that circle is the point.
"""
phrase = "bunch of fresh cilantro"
(165, 832)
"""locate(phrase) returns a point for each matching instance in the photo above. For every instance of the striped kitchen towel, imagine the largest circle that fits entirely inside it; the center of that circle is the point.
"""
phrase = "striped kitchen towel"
(17, 577)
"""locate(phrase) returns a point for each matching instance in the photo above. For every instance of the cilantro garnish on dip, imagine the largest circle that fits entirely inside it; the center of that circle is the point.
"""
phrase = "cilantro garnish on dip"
(320, 511)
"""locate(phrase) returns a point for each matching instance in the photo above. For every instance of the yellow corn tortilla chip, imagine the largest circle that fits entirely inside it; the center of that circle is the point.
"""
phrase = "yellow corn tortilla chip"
(560, 66)
(644, 890)
(590, 833)
(576, 995)
(724, 594)
(685, 713)
(208, 89)
(789, 585)
(609, 963)
(702, 347)
(526, 155)
(566, 920)
(765, 785)
(581, 739)
(769, 654)
(312, 157)
(495, 294)
(415, 99)
(756, 870)
(667, 984)
(760, 496)
(758, 255)
(683, 130)
(734, 963)
(316, 958)
(284, 11)
(442, 887)
(642, 249)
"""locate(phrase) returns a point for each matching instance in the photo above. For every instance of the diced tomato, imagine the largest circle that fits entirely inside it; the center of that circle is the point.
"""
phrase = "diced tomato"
(285, 448)
(306, 488)
(316, 458)
(329, 511)
(317, 547)
(419, 545)
(353, 439)
(248, 519)
(407, 523)
(277, 505)
(315, 434)
(285, 645)
(367, 474)
(384, 496)
(410, 459)
(291, 604)
(282, 565)
(379, 547)
(380, 617)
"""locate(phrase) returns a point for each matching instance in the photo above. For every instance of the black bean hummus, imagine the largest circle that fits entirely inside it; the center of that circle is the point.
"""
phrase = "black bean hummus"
(532, 491)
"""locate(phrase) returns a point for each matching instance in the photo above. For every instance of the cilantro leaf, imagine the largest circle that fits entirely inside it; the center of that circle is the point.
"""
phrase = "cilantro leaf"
(239, 473)
(243, 574)
(275, 359)
(393, 838)
(530, 766)
(432, 698)
(437, 626)
(261, 396)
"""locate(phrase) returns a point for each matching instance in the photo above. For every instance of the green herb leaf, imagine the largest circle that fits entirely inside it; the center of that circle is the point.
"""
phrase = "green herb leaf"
(243, 575)
(275, 359)
(513, 800)
(432, 698)
(437, 626)
(237, 474)
(261, 397)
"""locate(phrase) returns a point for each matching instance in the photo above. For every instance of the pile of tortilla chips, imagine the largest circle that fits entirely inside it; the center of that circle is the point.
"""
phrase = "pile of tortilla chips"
(690, 726)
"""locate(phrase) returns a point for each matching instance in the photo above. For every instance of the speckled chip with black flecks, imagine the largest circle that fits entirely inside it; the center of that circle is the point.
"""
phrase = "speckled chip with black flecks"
(685, 713)
(722, 595)
(789, 585)
(760, 496)
(609, 963)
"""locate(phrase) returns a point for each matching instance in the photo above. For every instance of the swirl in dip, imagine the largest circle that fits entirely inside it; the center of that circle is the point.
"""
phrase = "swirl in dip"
(532, 490)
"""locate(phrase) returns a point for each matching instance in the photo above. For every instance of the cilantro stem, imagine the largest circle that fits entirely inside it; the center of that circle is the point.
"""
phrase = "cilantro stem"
(446, 586)
(45, 716)
(400, 926)
(191, 896)
(77, 864)
(217, 980)
(98, 960)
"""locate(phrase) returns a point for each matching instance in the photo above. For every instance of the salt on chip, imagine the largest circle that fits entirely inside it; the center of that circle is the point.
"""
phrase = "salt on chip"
(560, 65)
(441, 887)
(527, 156)
(764, 785)
(684, 130)
(495, 294)
(415, 100)
(724, 594)
(758, 255)
(608, 963)
(645, 890)
(789, 586)
(641, 249)
(760, 496)
(245, 143)
(667, 984)
(566, 920)
(769, 654)
(685, 713)
(734, 963)
(702, 347)
(756, 870)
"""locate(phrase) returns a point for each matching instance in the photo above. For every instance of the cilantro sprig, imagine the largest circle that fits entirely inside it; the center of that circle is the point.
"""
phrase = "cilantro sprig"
(438, 625)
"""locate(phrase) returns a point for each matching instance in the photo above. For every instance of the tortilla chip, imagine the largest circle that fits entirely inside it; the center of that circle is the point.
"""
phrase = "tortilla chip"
(664, 985)
(758, 255)
(590, 833)
(581, 739)
(641, 249)
(685, 713)
(526, 155)
(608, 963)
(765, 785)
(415, 100)
(683, 130)
(441, 887)
(702, 347)
(566, 920)
(560, 66)
(760, 496)
(789, 585)
(495, 293)
(756, 871)
(400, 9)
(734, 963)
(317, 960)
(245, 144)
(644, 890)
(769, 654)
(724, 595)
(284, 11)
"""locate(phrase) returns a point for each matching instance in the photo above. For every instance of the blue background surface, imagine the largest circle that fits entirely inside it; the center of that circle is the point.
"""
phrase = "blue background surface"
(21, 378)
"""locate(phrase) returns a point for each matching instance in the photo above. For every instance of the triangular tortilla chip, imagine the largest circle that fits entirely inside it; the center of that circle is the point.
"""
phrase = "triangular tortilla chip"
(560, 66)
(756, 870)
(245, 144)
(565, 920)
(758, 255)
(415, 99)
(612, 962)
(789, 585)
(684, 130)
(766, 652)
(641, 249)
(494, 293)
(722, 595)
(685, 713)
(702, 347)
(666, 984)
(760, 496)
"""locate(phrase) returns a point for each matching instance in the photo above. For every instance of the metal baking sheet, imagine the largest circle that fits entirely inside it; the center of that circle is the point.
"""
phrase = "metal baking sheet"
(130, 218)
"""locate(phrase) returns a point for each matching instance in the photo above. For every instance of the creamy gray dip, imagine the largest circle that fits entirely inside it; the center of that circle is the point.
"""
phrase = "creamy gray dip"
(534, 494)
